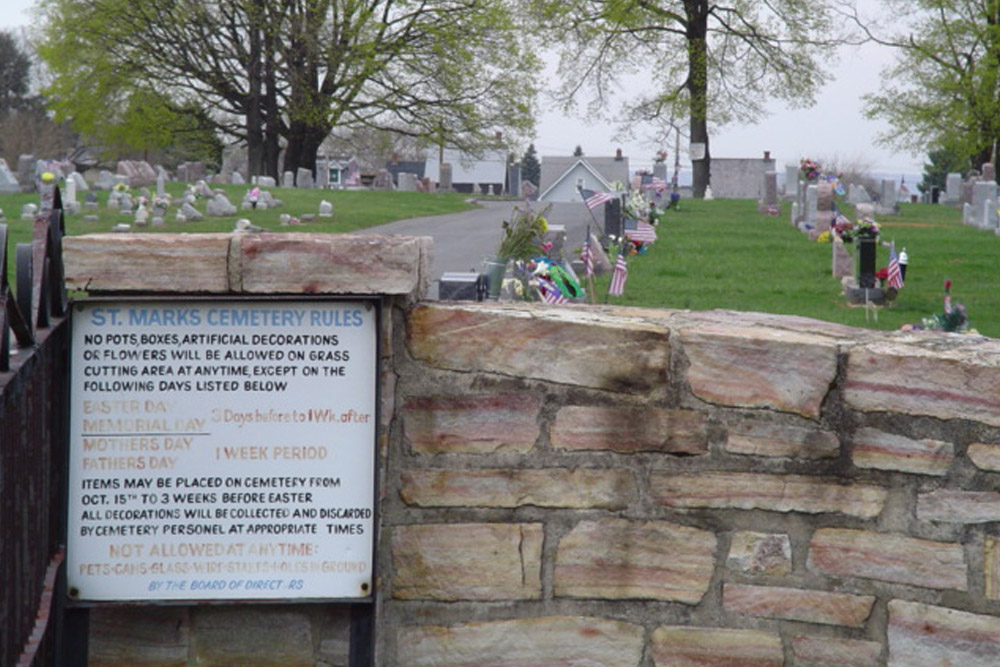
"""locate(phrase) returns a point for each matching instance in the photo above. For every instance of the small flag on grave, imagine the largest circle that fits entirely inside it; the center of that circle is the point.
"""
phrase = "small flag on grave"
(619, 277)
(587, 257)
(895, 274)
(550, 293)
(643, 232)
(594, 199)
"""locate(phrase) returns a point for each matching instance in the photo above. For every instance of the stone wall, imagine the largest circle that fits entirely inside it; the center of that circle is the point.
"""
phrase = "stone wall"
(614, 486)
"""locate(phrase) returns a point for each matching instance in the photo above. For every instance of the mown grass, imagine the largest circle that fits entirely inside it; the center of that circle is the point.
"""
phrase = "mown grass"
(352, 210)
(723, 254)
(711, 254)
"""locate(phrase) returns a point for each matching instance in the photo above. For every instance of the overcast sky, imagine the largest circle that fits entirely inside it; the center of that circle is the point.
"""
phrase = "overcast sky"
(833, 129)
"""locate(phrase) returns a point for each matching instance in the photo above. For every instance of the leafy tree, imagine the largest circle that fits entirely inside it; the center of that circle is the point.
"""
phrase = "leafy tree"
(531, 169)
(578, 151)
(15, 70)
(297, 69)
(709, 62)
(942, 162)
(944, 87)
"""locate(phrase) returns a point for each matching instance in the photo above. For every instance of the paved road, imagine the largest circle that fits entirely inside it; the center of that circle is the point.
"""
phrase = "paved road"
(463, 240)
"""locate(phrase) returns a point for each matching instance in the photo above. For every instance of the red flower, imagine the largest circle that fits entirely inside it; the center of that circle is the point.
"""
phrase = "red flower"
(882, 274)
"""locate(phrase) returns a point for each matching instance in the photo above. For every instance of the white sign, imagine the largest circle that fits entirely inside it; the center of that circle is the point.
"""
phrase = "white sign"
(222, 450)
(697, 151)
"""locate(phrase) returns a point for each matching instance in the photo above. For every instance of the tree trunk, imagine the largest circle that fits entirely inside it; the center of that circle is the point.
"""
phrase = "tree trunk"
(255, 120)
(697, 85)
(303, 146)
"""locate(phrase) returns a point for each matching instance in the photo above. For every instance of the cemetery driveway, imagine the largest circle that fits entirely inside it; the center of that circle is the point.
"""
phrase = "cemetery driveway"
(463, 240)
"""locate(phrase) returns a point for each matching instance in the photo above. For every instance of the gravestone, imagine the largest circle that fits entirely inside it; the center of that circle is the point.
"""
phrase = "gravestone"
(288, 180)
(91, 202)
(69, 201)
(989, 172)
(8, 181)
(952, 189)
(660, 170)
(983, 202)
(28, 211)
(989, 220)
(769, 201)
(325, 209)
(792, 182)
(824, 209)
(237, 178)
(407, 181)
(383, 180)
(322, 172)
(887, 198)
(26, 172)
(125, 202)
(141, 216)
(105, 180)
(453, 286)
(842, 260)
(857, 194)
(795, 214)
(967, 185)
(444, 180)
(556, 235)
(602, 264)
(81, 182)
(220, 206)
(304, 178)
(811, 212)
(529, 190)
(613, 223)
(265, 181)
(189, 213)
(190, 172)
(514, 178)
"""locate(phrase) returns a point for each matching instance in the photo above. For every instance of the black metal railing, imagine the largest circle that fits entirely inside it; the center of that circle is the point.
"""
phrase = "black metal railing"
(34, 370)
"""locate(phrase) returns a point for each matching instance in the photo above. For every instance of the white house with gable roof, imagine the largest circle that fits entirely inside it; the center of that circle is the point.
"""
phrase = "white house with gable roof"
(562, 178)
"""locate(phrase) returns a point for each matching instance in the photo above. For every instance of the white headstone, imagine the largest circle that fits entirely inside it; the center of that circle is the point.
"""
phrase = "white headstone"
(791, 181)
(288, 180)
(325, 209)
(8, 181)
(984, 195)
(953, 189)
(220, 206)
(812, 205)
(265, 181)
(189, 213)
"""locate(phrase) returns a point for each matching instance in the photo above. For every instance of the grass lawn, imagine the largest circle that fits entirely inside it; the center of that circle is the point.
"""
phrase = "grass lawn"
(714, 254)
(723, 254)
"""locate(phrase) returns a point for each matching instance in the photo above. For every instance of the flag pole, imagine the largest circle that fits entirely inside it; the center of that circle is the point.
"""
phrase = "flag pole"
(589, 271)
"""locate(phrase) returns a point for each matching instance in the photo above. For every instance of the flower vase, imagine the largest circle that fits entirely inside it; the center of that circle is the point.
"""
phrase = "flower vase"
(495, 270)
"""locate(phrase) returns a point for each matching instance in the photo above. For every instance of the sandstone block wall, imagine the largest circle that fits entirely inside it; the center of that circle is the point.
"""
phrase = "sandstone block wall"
(616, 486)
(613, 486)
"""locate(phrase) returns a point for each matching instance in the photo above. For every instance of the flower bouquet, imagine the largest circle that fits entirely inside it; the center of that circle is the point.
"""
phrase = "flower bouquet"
(810, 169)
(522, 234)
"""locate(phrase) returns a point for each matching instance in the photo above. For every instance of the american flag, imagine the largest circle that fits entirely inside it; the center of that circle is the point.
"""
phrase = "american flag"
(643, 232)
(895, 275)
(550, 293)
(596, 199)
(587, 257)
(619, 277)
(657, 184)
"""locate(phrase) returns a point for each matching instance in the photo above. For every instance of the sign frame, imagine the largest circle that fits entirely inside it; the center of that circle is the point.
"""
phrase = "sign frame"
(373, 329)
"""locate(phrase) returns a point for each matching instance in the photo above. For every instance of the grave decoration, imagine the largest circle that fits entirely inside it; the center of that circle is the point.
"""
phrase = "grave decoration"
(520, 241)
(810, 170)
(954, 318)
